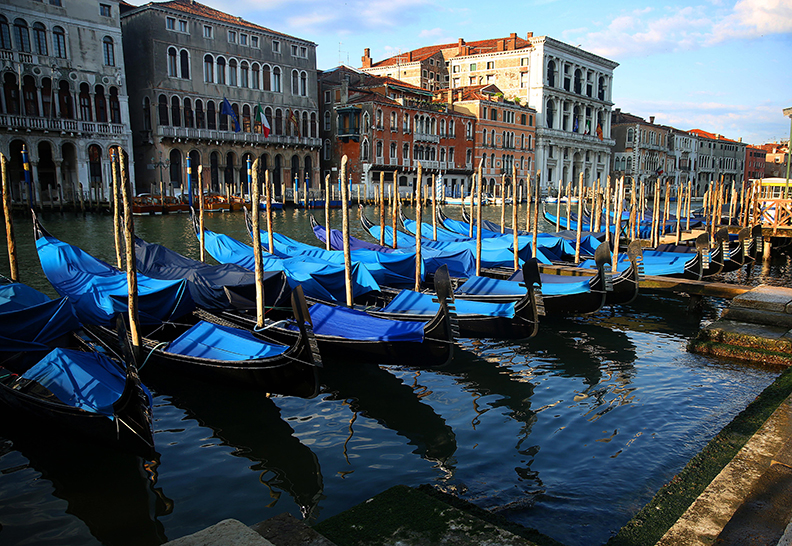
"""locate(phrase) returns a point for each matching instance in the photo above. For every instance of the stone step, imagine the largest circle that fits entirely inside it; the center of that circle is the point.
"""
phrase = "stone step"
(776, 299)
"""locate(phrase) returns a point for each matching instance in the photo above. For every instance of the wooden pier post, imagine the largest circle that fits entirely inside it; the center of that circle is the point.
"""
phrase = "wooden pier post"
(558, 205)
(689, 204)
(514, 217)
(114, 168)
(131, 270)
(579, 219)
(382, 208)
(478, 220)
(201, 211)
(9, 222)
(536, 211)
(528, 196)
(418, 226)
(434, 208)
(255, 197)
(345, 231)
(617, 224)
(268, 191)
(503, 204)
(606, 208)
(680, 196)
(569, 204)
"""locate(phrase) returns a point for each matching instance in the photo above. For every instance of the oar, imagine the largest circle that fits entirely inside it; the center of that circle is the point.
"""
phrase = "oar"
(9, 223)
(254, 198)
(419, 221)
(131, 271)
(345, 227)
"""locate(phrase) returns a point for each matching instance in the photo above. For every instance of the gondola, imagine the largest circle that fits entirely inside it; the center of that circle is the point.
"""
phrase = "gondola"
(56, 380)
(340, 332)
(183, 342)
(516, 320)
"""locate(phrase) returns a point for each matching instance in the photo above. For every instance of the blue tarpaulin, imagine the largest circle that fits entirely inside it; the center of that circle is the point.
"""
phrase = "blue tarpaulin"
(212, 341)
(410, 302)
(99, 291)
(85, 380)
(30, 320)
(358, 325)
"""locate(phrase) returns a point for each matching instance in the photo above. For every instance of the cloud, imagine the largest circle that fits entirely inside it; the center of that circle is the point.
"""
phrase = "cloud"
(650, 31)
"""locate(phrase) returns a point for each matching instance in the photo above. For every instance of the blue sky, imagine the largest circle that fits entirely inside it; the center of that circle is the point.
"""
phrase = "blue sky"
(724, 66)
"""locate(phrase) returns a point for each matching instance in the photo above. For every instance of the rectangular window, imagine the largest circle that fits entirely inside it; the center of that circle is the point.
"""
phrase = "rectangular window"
(104, 10)
(490, 65)
(524, 61)
(254, 41)
(472, 67)
(182, 26)
(208, 32)
(232, 36)
(170, 23)
(327, 96)
(304, 52)
(55, 3)
(276, 46)
(243, 39)
(455, 68)
(294, 50)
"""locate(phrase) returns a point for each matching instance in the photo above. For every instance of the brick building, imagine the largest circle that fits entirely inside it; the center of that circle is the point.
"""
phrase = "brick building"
(505, 132)
(386, 125)
(188, 59)
(755, 158)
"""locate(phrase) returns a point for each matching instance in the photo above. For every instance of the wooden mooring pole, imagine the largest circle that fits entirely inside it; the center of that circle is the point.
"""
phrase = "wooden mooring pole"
(9, 222)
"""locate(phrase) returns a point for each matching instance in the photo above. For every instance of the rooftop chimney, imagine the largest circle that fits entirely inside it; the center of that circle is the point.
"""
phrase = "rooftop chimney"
(530, 35)
(409, 56)
(366, 58)
(513, 41)
(501, 45)
(651, 119)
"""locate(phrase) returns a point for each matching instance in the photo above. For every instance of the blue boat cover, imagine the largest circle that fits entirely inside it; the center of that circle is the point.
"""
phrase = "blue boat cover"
(387, 269)
(206, 282)
(85, 380)
(552, 285)
(212, 341)
(30, 320)
(410, 302)
(654, 263)
(360, 326)
(319, 279)
(461, 263)
(99, 291)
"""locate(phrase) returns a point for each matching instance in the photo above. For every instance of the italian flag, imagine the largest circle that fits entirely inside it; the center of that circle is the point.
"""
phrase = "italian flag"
(258, 115)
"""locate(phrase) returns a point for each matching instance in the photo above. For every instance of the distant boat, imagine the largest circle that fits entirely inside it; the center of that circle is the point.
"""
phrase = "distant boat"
(145, 204)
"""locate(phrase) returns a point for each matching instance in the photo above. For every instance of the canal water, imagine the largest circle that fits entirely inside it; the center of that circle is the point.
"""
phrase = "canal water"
(570, 432)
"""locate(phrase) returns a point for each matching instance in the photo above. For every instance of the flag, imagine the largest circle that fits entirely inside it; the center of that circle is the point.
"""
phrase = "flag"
(258, 115)
(599, 131)
(575, 126)
(226, 109)
(295, 121)
(28, 178)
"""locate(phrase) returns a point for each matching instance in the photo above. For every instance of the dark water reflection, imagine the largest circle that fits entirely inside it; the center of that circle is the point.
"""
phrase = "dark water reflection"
(571, 432)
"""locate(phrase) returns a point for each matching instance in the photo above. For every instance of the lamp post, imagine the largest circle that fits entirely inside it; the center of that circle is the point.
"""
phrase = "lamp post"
(158, 163)
(788, 113)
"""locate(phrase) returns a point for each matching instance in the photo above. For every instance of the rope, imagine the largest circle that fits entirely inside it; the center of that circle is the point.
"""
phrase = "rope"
(152, 352)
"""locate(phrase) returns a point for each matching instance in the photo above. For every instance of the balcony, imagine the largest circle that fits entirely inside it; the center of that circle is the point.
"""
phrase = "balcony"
(46, 125)
(426, 137)
(189, 133)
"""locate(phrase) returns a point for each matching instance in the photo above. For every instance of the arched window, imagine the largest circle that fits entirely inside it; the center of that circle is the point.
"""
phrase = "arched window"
(550, 113)
(327, 120)
(551, 70)
(22, 35)
(188, 113)
(303, 84)
(5, 34)
(221, 73)
(278, 122)
(451, 129)
(366, 123)
(393, 151)
(276, 80)
(108, 51)
(208, 69)
(85, 103)
(222, 120)
(578, 81)
(147, 114)
(175, 111)
(244, 74)
(469, 130)
(378, 117)
(172, 64)
(327, 149)
(378, 148)
(394, 121)
(46, 98)
(313, 125)
(601, 88)
(268, 115)
(101, 104)
(232, 73)
(115, 106)
(469, 156)
(304, 132)
(65, 103)
(211, 115)
(442, 127)
(200, 119)
(162, 110)
(255, 81)
(295, 82)
(630, 135)
(246, 126)
(30, 96)
(266, 80)
(95, 164)
(40, 38)
(59, 42)
(184, 62)
(175, 168)
(364, 150)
